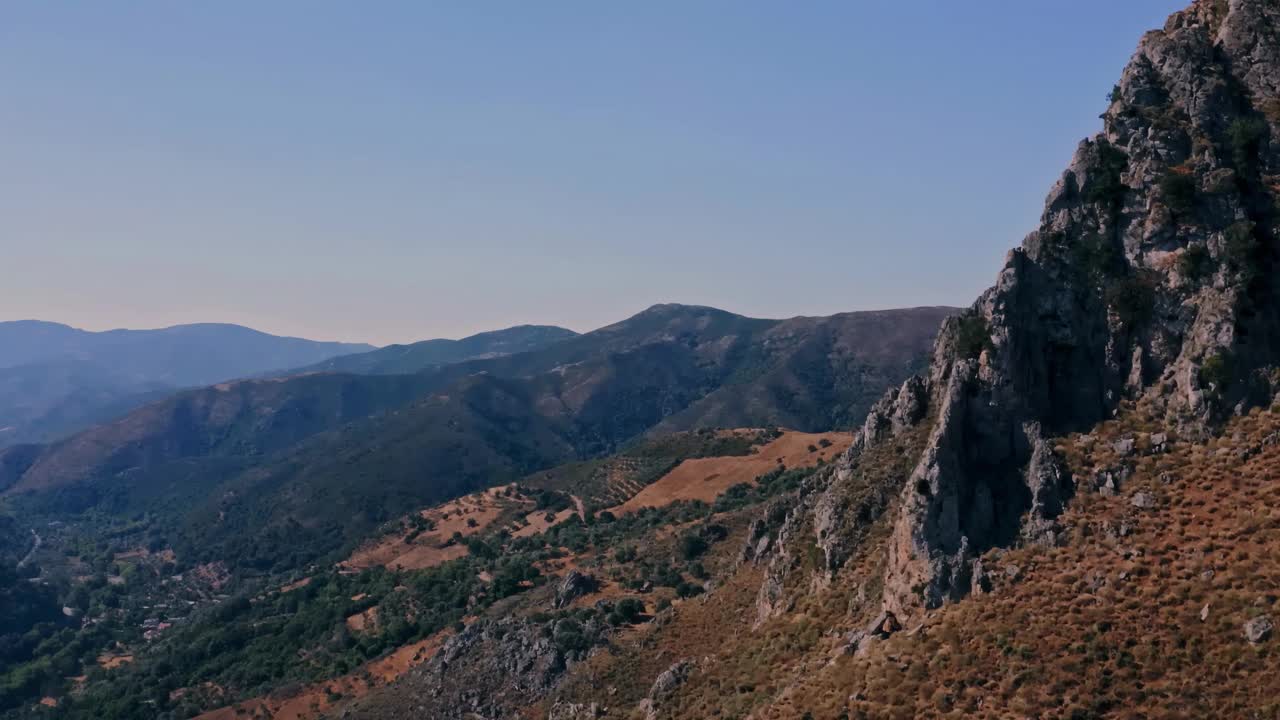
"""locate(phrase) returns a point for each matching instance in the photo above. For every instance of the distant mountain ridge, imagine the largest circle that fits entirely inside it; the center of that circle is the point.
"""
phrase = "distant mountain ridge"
(180, 356)
(56, 379)
(415, 357)
(277, 472)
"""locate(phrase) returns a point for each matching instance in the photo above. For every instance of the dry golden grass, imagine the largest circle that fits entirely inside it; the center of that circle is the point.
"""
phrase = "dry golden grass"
(1108, 624)
(706, 478)
(467, 515)
(366, 621)
(1105, 625)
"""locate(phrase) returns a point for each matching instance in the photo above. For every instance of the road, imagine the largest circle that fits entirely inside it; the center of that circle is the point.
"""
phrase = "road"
(34, 547)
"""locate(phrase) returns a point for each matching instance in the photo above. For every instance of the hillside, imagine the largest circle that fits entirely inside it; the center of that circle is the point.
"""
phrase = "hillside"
(329, 456)
(244, 418)
(814, 373)
(399, 591)
(55, 379)
(47, 400)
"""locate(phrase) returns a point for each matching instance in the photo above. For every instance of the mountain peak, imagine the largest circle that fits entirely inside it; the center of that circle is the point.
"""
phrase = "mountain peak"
(680, 309)
(419, 356)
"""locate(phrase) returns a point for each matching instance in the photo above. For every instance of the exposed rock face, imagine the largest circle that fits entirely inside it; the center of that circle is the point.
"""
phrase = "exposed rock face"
(837, 508)
(664, 687)
(490, 670)
(1149, 278)
(575, 711)
(574, 586)
(1145, 280)
(1258, 629)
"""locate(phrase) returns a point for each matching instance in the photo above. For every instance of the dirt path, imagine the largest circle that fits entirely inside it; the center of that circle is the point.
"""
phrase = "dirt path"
(34, 547)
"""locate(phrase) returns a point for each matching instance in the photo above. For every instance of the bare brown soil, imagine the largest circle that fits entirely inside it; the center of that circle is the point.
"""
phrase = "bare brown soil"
(537, 522)
(706, 478)
(366, 621)
(111, 661)
(466, 516)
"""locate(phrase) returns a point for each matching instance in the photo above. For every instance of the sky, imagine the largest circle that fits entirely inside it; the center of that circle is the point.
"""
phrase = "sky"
(394, 171)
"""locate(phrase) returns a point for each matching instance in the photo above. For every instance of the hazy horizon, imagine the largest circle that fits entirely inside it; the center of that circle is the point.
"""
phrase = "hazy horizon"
(409, 172)
(455, 337)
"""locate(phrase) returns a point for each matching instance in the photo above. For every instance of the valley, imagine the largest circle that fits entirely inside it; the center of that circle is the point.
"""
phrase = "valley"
(198, 528)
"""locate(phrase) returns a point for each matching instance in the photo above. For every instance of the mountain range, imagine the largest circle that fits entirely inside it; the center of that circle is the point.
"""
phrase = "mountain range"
(324, 457)
(404, 359)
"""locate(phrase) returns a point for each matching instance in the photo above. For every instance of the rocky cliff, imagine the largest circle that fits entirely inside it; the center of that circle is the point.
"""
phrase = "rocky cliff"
(1149, 281)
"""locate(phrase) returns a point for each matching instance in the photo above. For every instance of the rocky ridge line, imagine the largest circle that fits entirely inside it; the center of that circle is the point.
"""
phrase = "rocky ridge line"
(1148, 280)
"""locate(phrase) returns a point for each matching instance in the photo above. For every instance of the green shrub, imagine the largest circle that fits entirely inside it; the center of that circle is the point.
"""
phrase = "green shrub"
(1215, 372)
(692, 545)
(569, 638)
(1179, 192)
(1241, 248)
(1133, 299)
(688, 590)
(1245, 136)
(973, 335)
(714, 532)
(1195, 262)
(1096, 256)
(626, 612)
(1104, 185)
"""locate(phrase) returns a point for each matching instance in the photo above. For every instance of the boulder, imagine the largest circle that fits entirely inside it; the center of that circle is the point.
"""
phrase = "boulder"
(1258, 629)
(1143, 500)
(664, 687)
(1159, 442)
(885, 624)
(573, 586)
(575, 711)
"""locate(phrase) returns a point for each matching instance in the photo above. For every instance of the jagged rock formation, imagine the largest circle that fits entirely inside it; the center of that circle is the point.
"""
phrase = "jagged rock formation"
(574, 586)
(667, 683)
(489, 670)
(807, 543)
(1149, 279)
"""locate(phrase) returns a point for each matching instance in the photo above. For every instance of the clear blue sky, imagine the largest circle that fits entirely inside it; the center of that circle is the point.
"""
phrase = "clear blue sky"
(394, 171)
